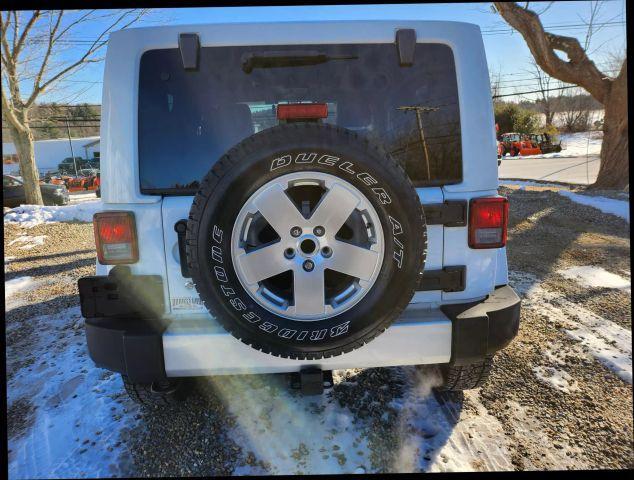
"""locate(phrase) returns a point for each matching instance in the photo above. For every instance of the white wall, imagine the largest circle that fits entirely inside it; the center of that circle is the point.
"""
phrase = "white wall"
(49, 153)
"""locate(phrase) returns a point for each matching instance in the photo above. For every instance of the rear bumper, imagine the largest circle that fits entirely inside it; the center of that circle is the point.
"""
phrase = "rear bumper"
(146, 350)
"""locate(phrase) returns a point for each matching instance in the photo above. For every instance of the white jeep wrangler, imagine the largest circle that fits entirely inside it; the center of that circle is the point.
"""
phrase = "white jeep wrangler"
(297, 197)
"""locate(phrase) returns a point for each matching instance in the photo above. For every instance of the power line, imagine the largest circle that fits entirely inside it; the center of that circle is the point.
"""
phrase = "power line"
(488, 32)
(535, 91)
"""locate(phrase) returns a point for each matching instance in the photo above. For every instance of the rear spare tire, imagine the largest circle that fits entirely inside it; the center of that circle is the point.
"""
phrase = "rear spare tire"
(306, 241)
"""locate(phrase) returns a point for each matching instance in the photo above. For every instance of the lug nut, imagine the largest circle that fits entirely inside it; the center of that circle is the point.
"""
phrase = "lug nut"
(289, 253)
(296, 232)
(319, 231)
(309, 265)
(326, 252)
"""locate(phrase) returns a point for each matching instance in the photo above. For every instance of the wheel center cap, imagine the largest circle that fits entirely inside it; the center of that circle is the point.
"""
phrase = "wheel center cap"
(308, 245)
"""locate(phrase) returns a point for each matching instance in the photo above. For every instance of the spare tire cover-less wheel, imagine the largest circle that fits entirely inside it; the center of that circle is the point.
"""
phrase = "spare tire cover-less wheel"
(306, 241)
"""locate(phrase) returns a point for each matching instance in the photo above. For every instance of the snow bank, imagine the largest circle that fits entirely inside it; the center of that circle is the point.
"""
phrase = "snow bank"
(577, 144)
(619, 208)
(30, 215)
(595, 277)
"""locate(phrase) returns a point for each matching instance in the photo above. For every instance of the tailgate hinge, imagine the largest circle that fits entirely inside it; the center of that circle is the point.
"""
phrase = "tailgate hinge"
(449, 279)
(451, 213)
(181, 228)
(406, 46)
(189, 46)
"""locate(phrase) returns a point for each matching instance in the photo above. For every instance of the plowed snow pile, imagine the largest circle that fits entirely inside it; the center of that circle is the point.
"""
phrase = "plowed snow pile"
(30, 215)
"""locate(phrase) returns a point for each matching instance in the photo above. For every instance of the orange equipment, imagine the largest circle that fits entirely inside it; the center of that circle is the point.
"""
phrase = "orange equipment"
(518, 144)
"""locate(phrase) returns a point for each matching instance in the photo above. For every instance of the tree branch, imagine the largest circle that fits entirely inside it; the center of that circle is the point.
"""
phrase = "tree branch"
(51, 42)
(72, 24)
(27, 28)
(85, 58)
(16, 27)
(579, 70)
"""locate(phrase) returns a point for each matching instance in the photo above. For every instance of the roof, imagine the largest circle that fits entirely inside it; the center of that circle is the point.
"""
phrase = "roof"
(90, 144)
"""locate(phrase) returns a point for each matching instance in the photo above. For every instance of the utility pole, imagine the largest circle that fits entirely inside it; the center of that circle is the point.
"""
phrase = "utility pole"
(71, 145)
(419, 111)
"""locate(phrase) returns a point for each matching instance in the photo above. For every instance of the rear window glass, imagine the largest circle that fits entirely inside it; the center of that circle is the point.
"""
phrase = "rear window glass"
(188, 119)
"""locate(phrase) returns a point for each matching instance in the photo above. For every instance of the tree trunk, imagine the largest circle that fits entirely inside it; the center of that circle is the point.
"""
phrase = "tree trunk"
(549, 115)
(614, 169)
(23, 141)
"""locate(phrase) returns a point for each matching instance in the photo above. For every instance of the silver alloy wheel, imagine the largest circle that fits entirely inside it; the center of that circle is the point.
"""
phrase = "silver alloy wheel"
(308, 244)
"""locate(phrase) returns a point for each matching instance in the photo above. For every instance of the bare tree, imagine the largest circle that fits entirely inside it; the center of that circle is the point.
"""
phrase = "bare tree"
(496, 80)
(32, 60)
(574, 110)
(579, 70)
(545, 101)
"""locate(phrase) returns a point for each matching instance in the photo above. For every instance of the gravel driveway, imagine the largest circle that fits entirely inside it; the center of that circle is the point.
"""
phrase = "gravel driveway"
(559, 397)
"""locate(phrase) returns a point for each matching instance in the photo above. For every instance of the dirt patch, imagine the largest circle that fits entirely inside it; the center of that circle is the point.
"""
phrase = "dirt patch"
(591, 425)
(20, 416)
(66, 254)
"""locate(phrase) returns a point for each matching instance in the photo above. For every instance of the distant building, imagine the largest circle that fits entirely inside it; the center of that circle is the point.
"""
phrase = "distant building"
(49, 153)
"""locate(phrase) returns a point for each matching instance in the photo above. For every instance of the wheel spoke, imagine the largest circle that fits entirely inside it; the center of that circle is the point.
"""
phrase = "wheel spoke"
(334, 208)
(308, 291)
(263, 263)
(278, 210)
(352, 260)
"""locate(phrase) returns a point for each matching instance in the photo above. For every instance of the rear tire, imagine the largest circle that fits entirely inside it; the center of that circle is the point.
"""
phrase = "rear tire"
(465, 377)
(157, 395)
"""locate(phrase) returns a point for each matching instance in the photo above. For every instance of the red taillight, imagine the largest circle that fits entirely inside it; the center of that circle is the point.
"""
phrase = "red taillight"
(488, 220)
(115, 237)
(302, 111)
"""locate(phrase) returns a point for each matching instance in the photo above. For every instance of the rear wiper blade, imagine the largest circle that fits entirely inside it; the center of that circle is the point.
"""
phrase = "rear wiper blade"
(288, 59)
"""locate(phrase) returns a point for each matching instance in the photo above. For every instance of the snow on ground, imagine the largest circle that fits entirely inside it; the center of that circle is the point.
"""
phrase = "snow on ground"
(293, 433)
(15, 285)
(444, 437)
(30, 215)
(619, 208)
(580, 144)
(29, 241)
(556, 378)
(80, 197)
(80, 415)
(596, 277)
(7, 261)
(525, 183)
(71, 430)
(606, 341)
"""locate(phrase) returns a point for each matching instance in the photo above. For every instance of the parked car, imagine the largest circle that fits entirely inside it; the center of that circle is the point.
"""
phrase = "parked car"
(88, 172)
(67, 166)
(328, 234)
(13, 193)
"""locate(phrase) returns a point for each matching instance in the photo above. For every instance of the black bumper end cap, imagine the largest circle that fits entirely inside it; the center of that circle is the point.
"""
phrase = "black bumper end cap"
(483, 328)
(131, 347)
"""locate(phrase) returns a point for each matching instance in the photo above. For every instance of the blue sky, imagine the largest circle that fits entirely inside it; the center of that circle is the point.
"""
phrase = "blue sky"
(507, 52)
